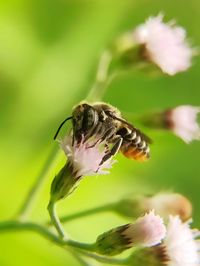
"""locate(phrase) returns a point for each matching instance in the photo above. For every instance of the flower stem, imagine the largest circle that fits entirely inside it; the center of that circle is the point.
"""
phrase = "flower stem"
(104, 259)
(29, 226)
(55, 219)
(82, 248)
(102, 77)
(80, 259)
(68, 218)
(32, 194)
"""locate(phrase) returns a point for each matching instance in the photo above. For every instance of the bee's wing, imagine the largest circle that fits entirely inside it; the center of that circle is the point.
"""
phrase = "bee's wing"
(144, 136)
(123, 121)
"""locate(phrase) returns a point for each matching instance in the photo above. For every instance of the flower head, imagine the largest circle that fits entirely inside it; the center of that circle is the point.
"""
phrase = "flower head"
(85, 157)
(164, 44)
(147, 231)
(182, 120)
(166, 204)
(179, 245)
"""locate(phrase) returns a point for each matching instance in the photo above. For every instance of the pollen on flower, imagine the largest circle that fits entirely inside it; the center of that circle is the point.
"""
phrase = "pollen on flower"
(85, 157)
(182, 120)
(164, 44)
(147, 231)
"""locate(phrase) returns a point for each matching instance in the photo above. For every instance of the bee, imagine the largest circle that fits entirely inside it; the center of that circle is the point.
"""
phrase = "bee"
(105, 123)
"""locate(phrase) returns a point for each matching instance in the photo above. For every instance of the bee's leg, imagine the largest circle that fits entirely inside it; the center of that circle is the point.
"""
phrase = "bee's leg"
(109, 133)
(103, 136)
(94, 131)
(73, 139)
(116, 146)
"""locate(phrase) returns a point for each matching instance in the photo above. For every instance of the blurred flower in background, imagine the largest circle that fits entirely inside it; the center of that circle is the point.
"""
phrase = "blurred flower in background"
(164, 204)
(182, 120)
(164, 44)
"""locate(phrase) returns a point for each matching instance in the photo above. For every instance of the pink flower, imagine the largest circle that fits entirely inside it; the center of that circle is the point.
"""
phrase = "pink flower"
(85, 158)
(164, 44)
(147, 231)
(182, 120)
(180, 245)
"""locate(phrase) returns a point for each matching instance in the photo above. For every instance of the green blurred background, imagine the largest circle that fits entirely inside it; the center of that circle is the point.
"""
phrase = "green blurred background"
(48, 54)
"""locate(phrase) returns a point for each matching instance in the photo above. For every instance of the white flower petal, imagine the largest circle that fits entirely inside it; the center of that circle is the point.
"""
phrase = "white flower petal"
(86, 157)
(165, 45)
(181, 247)
(147, 231)
(183, 120)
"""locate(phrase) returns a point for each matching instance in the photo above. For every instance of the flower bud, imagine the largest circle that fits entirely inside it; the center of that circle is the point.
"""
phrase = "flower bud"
(164, 204)
(147, 231)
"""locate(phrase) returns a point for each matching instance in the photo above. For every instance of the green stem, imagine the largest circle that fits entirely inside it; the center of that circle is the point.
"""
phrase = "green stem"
(80, 259)
(32, 194)
(55, 219)
(30, 226)
(102, 77)
(68, 218)
(83, 248)
(104, 259)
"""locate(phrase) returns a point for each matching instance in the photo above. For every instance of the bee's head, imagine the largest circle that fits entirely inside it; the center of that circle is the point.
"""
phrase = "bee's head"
(84, 117)
(78, 112)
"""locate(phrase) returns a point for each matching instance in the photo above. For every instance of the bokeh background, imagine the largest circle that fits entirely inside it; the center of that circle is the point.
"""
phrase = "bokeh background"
(48, 54)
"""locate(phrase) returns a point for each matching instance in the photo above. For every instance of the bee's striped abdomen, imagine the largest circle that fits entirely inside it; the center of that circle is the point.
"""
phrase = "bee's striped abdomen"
(134, 145)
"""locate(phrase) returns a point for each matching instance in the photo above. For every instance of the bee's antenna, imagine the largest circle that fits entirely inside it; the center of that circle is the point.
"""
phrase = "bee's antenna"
(58, 130)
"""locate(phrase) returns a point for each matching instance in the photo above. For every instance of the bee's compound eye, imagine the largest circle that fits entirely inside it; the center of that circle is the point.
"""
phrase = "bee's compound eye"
(90, 118)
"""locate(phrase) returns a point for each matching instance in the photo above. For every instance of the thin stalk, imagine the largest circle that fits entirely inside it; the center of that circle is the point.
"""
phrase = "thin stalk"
(30, 226)
(80, 259)
(55, 219)
(104, 259)
(83, 248)
(32, 194)
(68, 218)
(102, 77)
